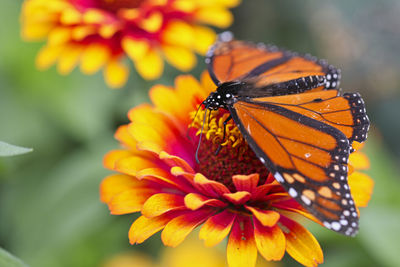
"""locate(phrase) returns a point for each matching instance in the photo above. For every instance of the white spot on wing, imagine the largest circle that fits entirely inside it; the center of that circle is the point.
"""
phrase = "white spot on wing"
(279, 177)
(306, 200)
(292, 192)
(336, 226)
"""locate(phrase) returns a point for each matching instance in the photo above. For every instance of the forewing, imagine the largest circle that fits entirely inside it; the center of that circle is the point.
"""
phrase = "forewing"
(267, 67)
(308, 157)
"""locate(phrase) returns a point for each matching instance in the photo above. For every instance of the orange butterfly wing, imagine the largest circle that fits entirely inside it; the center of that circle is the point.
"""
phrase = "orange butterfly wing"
(297, 137)
(266, 66)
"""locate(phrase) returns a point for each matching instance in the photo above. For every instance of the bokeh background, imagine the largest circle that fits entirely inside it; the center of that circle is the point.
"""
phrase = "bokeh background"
(50, 213)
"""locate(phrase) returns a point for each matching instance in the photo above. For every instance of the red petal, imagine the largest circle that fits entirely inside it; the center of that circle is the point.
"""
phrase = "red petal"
(265, 217)
(241, 249)
(301, 244)
(177, 229)
(238, 198)
(216, 228)
(195, 201)
(246, 182)
(173, 161)
(261, 191)
(163, 177)
(270, 241)
(209, 187)
(161, 203)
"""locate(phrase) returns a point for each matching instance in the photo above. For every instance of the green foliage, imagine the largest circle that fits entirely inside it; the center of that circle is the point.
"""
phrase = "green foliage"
(6, 259)
(12, 150)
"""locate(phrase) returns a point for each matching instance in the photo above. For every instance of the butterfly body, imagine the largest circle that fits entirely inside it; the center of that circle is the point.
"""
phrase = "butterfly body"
(292, 116)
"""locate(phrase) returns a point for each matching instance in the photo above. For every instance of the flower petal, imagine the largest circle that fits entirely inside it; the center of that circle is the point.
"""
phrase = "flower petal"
(359, 161)
(204, 37)
(150, 66)
(261, 191)
(164, 178)
(130, 201)
(136, 49)
(47, 56)
(241, 249)
(300, 243)
(216, 16)
(116, 74)
(238, 198)
(270, 241)
(113, 156)
(93, 58)
(216, 228)
(132, 165)
(246, 182)
(180, 57)
(177, 229)
(361, 187)
(122, 134)
(117, 183)
(159, 204)
(69, 59)
(143, 227)
(209, 187)
(178, 33)
(173, 161)
(265, 217)
(195, 201)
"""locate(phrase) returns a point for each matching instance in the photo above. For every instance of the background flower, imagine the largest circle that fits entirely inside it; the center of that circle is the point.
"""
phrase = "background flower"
(100, 33)
(232, 192)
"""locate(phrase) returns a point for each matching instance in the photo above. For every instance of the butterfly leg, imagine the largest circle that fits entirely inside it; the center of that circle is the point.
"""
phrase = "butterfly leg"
(223, 136)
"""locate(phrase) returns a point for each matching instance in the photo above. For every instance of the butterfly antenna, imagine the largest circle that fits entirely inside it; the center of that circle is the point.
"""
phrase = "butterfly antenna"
(195, 115)
(201, 135)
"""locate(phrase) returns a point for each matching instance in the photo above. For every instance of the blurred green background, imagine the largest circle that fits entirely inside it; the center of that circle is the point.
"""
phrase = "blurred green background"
(50, 213)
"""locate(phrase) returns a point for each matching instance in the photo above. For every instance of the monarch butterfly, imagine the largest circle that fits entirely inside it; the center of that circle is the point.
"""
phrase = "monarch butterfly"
(291, 114)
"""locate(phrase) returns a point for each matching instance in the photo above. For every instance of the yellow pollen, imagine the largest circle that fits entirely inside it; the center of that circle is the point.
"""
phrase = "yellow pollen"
(213, 128)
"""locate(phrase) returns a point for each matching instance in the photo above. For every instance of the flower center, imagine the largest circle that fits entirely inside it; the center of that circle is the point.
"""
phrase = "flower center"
(115, 5)
(234, 156)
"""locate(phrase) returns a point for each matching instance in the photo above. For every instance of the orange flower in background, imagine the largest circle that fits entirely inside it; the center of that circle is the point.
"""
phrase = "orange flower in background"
(230, 194)
(100, 34)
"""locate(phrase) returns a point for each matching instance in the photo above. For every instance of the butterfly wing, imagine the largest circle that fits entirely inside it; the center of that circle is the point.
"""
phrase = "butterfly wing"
(307, 155)
(269, 70)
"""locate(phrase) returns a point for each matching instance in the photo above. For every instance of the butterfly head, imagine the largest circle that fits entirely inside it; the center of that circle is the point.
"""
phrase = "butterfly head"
(225, 95)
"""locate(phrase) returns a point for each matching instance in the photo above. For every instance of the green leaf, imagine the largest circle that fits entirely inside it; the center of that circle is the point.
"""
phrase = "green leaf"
(11, 150)
(380, 233)
(6, 259)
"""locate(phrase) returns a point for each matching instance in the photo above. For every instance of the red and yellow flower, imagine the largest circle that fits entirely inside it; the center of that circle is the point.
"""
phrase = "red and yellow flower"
(230, 194)
(100, 34)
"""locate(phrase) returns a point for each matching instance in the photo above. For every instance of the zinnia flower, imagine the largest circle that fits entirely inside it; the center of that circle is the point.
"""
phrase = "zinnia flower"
(230, 194)
(100, 33)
